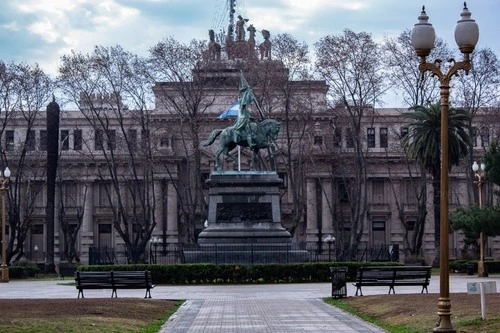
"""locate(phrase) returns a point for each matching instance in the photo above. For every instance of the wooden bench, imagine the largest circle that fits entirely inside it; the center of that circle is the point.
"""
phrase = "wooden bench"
(114, 280)
(66, 271)
(392, 276)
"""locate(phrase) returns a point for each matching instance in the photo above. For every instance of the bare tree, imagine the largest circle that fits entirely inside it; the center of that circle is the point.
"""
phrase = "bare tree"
(416, 88)
(71, 210)
(24, 90)
(185, 91)
(351, 65)
(286, 92)
(476, 91)
(110, 87)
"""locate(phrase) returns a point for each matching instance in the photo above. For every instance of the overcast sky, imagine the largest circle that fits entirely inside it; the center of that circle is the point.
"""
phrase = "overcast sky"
(41, 31)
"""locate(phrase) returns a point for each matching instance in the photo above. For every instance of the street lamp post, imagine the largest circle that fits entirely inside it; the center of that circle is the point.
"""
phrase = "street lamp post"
(4, 186)
(35, 249)
(479, 174)
(155, 242)
(329, 240)
(422, 39)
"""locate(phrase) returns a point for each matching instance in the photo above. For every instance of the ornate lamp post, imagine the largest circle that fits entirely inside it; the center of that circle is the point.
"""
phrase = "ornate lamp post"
(4, 186)
(422, 39)
(479, 174)
(329, 240)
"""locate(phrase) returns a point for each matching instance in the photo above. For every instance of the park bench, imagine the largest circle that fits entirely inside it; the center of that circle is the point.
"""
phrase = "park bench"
(114, 280)
(66, 271)
(392, 276)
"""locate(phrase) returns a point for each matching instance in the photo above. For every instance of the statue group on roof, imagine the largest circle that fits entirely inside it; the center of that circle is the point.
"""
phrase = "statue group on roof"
(238, 46)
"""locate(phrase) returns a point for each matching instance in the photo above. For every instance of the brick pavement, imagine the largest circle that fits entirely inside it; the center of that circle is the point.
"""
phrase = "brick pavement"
(275, 308)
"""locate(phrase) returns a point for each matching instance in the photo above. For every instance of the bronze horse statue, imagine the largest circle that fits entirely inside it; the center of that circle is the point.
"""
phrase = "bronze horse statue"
(262, 134)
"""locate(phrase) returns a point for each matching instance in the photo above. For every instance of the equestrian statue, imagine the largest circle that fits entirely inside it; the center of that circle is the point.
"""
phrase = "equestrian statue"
(245, 132)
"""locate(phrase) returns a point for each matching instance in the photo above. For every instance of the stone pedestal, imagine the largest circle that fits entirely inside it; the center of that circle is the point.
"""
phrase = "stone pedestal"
(244, 208)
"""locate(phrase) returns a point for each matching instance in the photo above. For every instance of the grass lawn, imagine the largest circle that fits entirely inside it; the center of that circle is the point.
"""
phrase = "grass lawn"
(85, 315)
(417, 313)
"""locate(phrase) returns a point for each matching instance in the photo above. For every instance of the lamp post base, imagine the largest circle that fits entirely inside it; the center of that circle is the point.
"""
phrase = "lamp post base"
(5, 273)
(444, 322)
(481, 269)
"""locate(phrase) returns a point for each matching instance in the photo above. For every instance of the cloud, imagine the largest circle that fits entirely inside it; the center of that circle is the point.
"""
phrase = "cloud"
(45, 29)
(11, 26)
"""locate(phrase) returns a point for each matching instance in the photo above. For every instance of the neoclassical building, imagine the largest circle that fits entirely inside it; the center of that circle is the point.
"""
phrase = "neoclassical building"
(314, 157)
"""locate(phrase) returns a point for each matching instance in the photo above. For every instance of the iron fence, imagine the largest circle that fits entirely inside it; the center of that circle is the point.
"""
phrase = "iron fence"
(268, 253)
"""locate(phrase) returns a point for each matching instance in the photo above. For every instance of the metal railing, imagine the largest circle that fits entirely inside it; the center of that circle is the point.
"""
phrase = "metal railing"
(267, 253)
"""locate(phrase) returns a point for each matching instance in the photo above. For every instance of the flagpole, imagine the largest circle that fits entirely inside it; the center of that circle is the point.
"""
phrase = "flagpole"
(239, 158)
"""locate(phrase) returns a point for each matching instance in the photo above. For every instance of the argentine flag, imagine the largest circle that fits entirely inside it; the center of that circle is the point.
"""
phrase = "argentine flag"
(232, 111)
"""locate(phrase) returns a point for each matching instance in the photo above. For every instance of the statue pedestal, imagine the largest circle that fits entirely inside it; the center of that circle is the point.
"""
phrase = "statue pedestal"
(244, 208)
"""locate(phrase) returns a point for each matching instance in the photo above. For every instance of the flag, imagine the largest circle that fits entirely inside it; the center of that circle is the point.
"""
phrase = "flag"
(232, 111)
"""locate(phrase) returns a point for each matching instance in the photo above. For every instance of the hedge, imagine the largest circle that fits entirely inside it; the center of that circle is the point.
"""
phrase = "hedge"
(233, 273)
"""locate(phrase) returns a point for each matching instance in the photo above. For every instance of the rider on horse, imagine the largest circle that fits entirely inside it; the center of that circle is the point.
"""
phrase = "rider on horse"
(243, 122)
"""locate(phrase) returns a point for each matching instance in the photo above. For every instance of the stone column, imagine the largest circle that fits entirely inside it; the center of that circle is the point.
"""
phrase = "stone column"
(172, 222)
(312, 217)
(326, 208)
(87, 230)
(158, 197)
(88, 211)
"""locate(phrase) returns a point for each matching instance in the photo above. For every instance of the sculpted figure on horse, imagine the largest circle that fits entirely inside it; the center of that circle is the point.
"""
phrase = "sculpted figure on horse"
(245, 132)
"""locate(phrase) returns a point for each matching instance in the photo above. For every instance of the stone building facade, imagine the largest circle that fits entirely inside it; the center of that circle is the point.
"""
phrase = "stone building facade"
(321, 135)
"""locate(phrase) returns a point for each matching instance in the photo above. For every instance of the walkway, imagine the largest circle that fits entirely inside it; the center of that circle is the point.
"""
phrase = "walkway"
(280, 308)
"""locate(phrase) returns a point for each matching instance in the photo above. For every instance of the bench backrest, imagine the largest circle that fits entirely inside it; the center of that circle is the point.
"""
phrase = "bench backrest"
(413, 273)
(93, 279)
(132, 278)
(375, 273)
(114, 279)
(392, 273)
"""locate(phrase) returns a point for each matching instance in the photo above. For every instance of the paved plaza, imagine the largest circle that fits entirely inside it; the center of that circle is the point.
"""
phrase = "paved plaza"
(273, 308)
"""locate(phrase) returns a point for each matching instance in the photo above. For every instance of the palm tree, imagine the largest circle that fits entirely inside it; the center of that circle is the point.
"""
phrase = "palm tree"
(423, 143)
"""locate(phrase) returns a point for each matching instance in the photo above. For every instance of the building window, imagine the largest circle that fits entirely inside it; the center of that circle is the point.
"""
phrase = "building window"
(343, 191)
(370, 137)
(77, 139)
(164, 142)
(349, 138)
(98, 140)
(30, 140)
(404, 131)
(9, 140)
(71, 194)
(475, 133)
(64, 139)
(337, 137)
(284, 177)
(411, 189)
(104, 235)
(111, 139)
(132, 139)
(378, 191)
(485, 137)
(43, 140)
(318, 140)
(104, 194)
(145, 137)
(204, 177)
(37, 238)
(384, 141)
(378, 233)
(38, 195)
